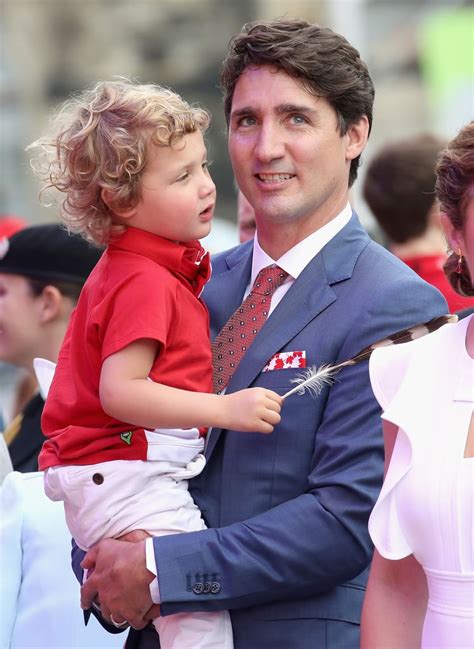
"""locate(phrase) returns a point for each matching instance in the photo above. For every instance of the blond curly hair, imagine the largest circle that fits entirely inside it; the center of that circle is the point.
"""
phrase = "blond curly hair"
(99, 140)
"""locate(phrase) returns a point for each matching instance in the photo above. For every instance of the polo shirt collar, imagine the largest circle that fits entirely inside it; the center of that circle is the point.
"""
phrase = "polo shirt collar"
(188, 261)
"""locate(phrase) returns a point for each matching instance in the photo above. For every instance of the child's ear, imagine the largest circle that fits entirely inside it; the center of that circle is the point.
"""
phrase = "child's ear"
(108, 198)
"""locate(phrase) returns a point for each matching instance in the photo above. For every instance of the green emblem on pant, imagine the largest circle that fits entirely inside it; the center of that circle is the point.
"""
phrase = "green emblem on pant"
(126, 437)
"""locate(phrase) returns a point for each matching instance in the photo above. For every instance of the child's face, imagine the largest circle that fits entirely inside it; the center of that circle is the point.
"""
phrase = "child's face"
(20, 321)
(177, 193)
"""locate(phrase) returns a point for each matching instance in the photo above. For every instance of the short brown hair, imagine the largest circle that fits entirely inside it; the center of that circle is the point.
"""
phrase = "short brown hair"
(399, 186)
(454, 189)
(324, 62)
(99, 140)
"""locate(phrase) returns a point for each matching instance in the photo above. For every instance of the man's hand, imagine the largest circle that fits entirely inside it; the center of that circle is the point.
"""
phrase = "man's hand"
(120, 581)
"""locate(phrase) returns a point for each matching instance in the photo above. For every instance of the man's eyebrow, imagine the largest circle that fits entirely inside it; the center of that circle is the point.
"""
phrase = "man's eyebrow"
(281, 109)
(294, 108)
(245, 110)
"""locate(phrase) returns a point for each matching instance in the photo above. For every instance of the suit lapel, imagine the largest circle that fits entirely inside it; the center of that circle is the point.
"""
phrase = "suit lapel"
(305, 299)
(309, 295)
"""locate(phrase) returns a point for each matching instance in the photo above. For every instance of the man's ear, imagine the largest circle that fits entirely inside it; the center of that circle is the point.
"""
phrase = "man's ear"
(108, 198)
(453, 236)
(357, 135)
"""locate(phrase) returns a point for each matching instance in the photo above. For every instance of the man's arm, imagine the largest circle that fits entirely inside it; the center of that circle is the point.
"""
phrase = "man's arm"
(318, 540)
(300, 548)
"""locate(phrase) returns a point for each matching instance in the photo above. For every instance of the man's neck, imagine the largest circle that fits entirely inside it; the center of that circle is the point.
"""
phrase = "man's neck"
(277, 238)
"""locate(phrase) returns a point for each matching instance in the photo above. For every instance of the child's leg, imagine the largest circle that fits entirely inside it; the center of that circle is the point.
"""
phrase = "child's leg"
(113, 498)
(195, 631)
(198, 630)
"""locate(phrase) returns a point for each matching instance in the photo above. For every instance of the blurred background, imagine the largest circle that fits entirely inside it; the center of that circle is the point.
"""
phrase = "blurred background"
(420, 54)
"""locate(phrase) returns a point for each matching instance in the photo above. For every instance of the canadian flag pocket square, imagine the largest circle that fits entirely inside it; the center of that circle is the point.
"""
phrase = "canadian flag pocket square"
(286, 361)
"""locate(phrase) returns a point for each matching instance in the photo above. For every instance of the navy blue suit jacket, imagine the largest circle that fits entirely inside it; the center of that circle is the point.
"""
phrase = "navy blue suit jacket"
(288, 548)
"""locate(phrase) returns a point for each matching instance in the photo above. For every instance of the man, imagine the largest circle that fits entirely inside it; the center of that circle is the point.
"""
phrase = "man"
(42, 271)
(289, 550)
(402, 173)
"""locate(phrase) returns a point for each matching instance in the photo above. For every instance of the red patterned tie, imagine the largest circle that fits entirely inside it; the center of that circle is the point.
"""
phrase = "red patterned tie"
(240, 330)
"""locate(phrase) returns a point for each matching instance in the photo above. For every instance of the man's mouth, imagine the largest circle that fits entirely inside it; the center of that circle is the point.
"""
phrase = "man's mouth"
(274, 177)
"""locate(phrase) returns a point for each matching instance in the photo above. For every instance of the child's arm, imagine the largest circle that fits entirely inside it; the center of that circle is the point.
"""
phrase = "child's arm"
(126, 394)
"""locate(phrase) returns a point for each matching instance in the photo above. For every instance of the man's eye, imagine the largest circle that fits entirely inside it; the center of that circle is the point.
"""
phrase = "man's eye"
(183, 177)
(246, 121)
(299, 119)
(206, 164)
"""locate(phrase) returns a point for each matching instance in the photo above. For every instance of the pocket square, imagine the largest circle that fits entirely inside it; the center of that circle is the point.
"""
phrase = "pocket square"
(286, 361)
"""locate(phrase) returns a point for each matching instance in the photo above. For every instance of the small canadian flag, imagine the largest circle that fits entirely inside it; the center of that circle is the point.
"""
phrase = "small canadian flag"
(286, 361)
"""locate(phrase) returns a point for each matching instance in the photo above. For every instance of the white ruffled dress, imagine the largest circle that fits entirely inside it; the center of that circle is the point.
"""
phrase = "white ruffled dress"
(426, 506)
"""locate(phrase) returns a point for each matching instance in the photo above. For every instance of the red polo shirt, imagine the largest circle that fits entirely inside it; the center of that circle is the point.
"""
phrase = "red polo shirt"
(143, 287)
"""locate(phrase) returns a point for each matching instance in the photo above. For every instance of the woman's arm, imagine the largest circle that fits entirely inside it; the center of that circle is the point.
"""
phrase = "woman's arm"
(127, 394)
(394, 605)
(396, 597)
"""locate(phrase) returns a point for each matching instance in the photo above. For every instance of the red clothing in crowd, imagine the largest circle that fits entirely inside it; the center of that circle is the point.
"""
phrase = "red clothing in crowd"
(430, 268)
(144, 286)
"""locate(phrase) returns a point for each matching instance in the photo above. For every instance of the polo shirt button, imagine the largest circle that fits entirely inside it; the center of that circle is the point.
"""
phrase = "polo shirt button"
(98, 478)
(198, 588)
(207, 588)
(215, 587)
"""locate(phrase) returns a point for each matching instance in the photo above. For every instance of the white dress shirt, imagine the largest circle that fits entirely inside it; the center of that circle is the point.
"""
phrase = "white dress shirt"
(295, 260)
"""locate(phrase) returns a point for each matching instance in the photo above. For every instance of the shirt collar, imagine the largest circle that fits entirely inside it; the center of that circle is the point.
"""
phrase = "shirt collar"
(295, 260)
(188, 261)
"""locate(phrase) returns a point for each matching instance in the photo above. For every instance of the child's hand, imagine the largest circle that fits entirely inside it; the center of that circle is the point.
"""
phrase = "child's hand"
(255, 410)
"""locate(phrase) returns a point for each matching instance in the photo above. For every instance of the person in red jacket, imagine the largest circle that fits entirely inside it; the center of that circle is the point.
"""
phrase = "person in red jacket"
(399, 189)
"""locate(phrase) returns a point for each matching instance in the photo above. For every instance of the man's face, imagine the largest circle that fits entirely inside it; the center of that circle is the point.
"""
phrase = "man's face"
(288, 156)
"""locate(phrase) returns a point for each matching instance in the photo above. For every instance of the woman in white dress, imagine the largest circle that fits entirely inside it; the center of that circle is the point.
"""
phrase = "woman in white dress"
(421, 586)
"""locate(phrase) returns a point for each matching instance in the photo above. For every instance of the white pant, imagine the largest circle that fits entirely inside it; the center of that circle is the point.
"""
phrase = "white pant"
(110, 499)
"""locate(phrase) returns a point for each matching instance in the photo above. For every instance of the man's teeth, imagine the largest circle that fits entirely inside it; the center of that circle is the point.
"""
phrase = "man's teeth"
(274, 177)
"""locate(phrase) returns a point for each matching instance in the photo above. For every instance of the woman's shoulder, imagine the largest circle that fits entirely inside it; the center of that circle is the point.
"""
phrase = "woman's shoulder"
(389, 365)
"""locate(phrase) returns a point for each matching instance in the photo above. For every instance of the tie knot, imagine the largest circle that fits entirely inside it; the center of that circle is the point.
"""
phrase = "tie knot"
(268, 280)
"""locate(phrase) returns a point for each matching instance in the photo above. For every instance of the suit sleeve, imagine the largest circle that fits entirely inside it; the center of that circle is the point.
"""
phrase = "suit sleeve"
(319, 539)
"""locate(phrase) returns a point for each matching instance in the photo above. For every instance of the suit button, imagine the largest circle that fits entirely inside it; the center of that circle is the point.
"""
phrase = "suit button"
(98, 478)
(207, 588)
(198, 588)
(215, 587)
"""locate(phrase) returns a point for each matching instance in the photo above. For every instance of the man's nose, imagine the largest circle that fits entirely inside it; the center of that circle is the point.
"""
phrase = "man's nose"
(269, 143)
